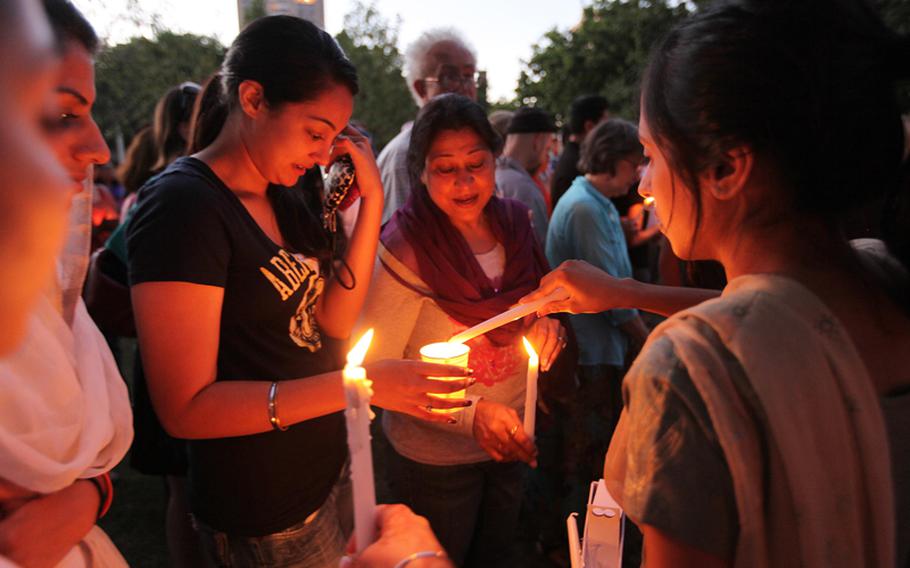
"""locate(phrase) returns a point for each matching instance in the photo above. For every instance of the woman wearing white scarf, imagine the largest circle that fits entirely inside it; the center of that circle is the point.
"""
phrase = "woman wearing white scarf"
(64, 409)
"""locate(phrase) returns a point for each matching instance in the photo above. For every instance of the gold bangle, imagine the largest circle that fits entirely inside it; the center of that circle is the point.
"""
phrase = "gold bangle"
(273, 408)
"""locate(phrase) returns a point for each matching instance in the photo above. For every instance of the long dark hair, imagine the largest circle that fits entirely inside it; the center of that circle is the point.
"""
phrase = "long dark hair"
(294, 61)
(291, 58)
(136, 168)
(446, 112)
(172, 110)
(808, 85)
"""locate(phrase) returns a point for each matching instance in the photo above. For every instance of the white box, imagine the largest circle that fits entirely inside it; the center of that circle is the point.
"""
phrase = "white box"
(601, 546)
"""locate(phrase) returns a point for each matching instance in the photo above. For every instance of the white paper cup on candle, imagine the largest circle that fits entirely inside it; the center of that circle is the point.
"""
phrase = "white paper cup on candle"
(444, 353)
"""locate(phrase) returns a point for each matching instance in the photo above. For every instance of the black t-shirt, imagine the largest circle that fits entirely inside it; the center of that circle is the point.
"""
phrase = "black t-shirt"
(189, 227)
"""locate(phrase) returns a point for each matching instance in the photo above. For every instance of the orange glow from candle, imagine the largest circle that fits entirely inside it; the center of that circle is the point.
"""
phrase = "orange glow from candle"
(357, 354)
(531, 353)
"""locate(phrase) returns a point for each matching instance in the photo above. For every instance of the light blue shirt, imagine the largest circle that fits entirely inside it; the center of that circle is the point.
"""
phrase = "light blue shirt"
(585, 226)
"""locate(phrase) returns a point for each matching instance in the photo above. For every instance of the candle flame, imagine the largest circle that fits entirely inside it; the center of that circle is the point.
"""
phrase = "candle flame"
(357, 354)
(531, 353)
(649, 201)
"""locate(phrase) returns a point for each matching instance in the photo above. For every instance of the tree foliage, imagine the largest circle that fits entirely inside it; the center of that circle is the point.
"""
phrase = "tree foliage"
(132, 76)
(384, 102)
(253, 11)
(608, 50)
(606, 54)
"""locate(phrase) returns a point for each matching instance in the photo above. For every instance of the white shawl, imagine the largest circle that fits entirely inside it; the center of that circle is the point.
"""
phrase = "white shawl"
(64, 408)
(823, 416)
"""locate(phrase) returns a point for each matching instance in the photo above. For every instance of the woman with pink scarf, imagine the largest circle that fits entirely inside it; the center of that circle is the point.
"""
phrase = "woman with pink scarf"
(454, 256)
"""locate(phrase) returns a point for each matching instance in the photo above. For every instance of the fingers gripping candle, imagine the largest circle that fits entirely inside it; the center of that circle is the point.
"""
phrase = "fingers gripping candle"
(357, 415)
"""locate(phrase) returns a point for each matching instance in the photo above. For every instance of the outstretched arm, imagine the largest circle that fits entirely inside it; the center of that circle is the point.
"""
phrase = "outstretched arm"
(592, 290)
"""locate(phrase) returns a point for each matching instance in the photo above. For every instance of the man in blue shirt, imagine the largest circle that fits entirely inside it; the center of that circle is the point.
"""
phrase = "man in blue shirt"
(586, 226)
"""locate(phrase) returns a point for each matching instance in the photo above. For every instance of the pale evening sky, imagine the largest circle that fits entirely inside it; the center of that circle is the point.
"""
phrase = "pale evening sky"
(502, 31)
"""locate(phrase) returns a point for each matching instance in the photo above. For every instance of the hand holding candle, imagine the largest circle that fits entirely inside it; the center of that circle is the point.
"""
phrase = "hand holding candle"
(357, 416)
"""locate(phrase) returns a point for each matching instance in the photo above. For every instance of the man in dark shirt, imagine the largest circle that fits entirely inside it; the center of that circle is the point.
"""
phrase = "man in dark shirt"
(586, 112)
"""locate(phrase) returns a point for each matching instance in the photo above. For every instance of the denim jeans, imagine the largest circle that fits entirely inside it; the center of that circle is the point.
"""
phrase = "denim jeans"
(472, 508)
(317, 542)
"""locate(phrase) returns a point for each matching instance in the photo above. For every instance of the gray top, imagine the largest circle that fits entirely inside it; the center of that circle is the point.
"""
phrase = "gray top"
(515, 182)
(393, 170)
(405, 320)
(679, 456)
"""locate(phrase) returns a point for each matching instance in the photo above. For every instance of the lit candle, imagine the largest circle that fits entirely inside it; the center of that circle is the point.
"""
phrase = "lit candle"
(357, 414)
(445, 353)
(531, 390)
(649, 201)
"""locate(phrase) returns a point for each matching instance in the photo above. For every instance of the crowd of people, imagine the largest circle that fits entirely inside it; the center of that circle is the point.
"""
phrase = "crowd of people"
(730, 353)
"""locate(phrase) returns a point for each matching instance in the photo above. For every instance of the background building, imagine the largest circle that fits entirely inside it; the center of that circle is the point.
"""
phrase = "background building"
(312, 10)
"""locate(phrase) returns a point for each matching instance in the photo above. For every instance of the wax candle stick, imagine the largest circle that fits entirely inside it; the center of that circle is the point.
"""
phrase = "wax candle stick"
(357, 417)
(508, 316)
(531, 390)
(574, 543)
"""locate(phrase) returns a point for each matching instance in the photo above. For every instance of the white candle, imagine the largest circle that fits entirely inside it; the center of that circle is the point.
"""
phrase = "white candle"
(531, 389)
(574, 543)
(357, 414)
(508, 316)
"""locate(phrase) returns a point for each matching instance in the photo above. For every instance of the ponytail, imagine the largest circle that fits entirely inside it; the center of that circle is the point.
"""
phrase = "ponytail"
(209, 115)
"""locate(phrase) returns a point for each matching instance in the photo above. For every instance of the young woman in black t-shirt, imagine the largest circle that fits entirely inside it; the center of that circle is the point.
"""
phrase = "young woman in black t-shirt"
(242, 320)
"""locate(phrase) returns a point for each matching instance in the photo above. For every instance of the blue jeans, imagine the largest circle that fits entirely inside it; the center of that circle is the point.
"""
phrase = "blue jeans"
(472, 508)
(317, 542)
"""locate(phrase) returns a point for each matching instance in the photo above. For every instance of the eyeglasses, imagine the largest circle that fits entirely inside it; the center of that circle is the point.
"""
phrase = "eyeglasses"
(454, 81)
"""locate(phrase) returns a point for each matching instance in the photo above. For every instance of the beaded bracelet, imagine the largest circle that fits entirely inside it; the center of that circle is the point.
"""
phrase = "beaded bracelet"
(273, 408)
(418, 555)
(106, 490)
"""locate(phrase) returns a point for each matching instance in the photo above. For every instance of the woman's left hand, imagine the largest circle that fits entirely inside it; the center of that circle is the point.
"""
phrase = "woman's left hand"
(548, 337)
(355, 144)
(500, 432)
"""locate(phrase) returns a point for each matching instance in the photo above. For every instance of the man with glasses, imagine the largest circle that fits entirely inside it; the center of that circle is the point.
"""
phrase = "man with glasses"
(438, 62)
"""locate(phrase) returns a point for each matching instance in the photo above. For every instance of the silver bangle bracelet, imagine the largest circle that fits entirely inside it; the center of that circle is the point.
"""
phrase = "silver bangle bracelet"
(273, 408)
(418, 555)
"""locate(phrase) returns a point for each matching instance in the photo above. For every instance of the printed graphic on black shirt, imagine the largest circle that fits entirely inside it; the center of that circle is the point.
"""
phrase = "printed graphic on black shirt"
(295, 272)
